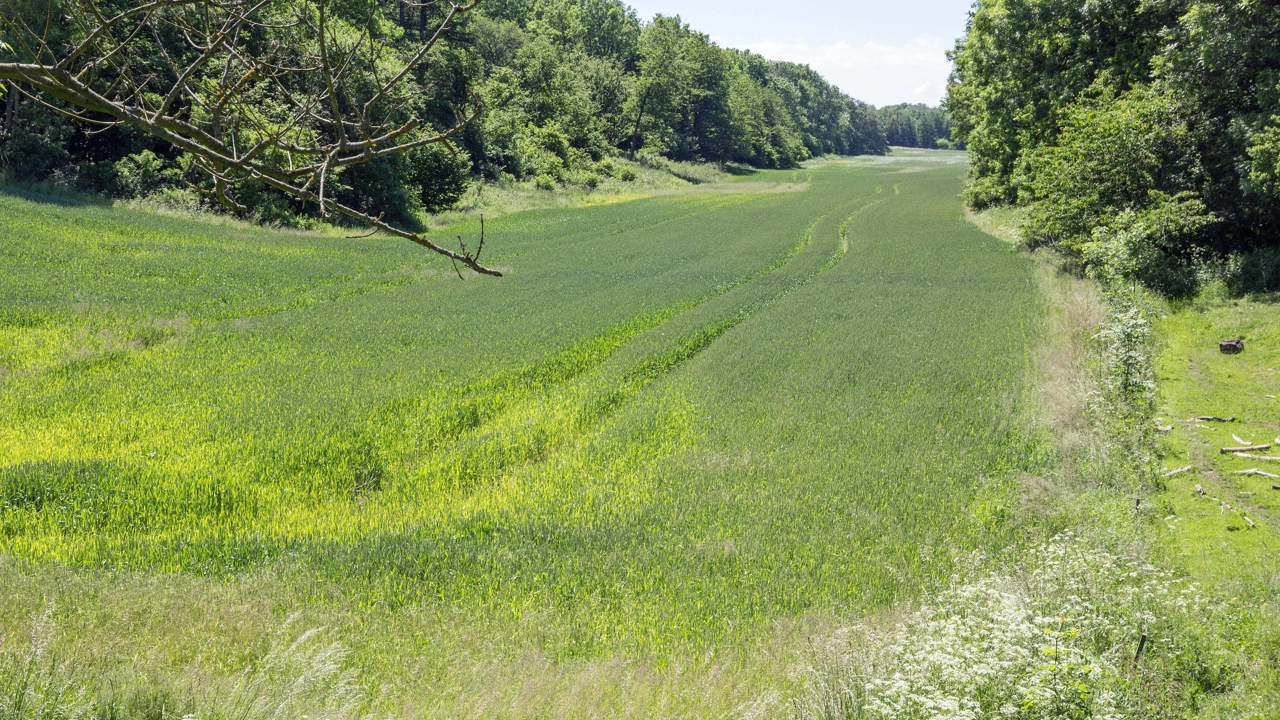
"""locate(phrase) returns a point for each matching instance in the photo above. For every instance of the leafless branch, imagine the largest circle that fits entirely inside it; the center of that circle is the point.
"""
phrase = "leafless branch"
(213, 79)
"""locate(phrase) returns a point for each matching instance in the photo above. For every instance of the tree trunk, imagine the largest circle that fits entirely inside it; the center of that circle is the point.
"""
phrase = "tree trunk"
(635, 132)
(10, 112)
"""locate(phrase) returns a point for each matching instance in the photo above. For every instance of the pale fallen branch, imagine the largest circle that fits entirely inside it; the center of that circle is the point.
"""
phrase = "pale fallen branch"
(1258, 457)
(1246, 448)
(1211, 418)
(1256, 471)
(1241, 440)
(1177, 471)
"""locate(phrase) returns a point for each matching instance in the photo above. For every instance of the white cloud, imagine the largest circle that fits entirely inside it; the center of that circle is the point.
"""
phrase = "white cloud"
(877, 72)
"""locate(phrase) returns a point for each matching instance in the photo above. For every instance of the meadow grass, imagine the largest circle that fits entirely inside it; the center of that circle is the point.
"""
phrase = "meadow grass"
(1226, 534)
(629, 479)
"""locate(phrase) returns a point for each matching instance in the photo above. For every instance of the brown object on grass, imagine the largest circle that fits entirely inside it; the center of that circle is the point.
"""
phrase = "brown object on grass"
(1231, 347)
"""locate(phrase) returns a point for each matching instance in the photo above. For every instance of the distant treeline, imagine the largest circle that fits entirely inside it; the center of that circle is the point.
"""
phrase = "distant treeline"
(1143, 136)
(915, 125)
(566, 86)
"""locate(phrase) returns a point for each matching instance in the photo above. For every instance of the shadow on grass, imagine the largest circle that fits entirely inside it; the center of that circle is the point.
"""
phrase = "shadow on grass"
(52, 194)
(740, 170)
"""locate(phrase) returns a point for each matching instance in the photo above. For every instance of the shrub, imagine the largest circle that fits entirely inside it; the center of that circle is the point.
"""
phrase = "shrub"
(144, 173)
(1057, 640)
(440, 176)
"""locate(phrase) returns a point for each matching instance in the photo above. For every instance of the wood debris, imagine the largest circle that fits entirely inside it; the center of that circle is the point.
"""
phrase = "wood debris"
(1241, 440)
(1163, 428)
(1211, 418)
(1246, 448)
(1257, 457)
(1177, 471)
(1256, 471)
(1224, 506)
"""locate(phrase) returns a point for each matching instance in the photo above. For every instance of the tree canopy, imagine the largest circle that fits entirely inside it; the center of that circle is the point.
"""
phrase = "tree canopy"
(380, 109)
(1141, 133)
(915, 125)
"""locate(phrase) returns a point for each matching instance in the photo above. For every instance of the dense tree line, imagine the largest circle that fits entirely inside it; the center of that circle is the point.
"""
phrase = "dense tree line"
(915, 125)
(564, 87)
(1143, 136)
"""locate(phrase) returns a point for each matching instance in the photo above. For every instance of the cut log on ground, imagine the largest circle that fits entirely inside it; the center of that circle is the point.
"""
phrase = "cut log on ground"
(1256, 471)
(1210, 418)
(1177, 471)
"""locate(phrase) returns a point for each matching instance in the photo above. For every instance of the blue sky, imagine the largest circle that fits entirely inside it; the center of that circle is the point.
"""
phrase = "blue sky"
(883, 52)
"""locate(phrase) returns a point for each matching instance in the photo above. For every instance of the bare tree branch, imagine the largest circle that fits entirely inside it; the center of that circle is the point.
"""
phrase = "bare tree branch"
(213, 79)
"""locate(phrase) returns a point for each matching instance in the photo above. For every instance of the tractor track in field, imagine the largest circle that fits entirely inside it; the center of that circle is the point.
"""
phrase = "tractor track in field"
(356, 286)
(632, 377)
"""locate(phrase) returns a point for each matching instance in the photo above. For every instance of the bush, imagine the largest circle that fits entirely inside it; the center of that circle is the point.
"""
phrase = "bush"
(1157, 245)
(1115, 154)
(1257, 271)
(439, 175)
(144, 173)
(180, 199)
(1055, 641)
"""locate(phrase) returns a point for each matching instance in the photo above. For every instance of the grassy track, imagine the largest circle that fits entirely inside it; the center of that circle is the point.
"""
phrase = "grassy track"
(1227, 538)
(627, 479)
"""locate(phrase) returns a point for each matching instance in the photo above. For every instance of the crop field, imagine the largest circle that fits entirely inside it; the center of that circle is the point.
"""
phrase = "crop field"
(682, 437)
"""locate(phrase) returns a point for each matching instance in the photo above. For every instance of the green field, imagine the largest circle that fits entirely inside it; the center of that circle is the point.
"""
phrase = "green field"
(683, 436)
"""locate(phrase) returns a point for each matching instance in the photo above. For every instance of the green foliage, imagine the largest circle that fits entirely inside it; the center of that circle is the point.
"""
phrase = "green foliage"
(1264, 160)
(1055, 640)
(144, 173)
(1154, 245)
(1112, 154)
(566, 84)
(1087, 111)
(441, 176)
(915, 125)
